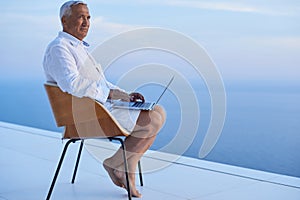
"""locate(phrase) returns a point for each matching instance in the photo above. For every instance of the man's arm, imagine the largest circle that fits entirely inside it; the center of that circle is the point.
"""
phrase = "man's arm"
(60, 64)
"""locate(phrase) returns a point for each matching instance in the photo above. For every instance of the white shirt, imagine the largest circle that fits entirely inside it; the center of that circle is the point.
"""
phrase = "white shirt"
(68, 63)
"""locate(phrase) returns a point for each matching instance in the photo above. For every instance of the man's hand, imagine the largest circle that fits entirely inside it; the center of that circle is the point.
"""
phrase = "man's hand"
(118, 94)
(115, 94)
(136, 97)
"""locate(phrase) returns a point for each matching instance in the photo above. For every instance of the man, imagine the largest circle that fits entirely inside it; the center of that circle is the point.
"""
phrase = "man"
(68, 64)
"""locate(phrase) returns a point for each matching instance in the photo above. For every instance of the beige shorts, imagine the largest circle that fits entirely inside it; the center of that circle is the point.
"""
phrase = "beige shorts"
(126, 118)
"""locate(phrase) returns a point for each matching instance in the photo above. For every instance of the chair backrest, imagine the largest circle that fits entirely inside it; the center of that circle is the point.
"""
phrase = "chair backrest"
(82, 117)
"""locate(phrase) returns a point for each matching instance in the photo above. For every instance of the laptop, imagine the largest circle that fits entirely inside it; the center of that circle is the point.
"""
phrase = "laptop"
(139, 105)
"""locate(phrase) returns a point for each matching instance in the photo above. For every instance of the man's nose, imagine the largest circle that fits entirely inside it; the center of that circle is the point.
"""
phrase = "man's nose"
(86, 21)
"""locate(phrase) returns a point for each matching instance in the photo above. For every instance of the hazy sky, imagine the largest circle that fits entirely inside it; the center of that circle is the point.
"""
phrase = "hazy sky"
(246, 39)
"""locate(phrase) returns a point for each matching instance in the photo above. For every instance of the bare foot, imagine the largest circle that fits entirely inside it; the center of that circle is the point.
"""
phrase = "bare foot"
(121, 176)
(112, 175)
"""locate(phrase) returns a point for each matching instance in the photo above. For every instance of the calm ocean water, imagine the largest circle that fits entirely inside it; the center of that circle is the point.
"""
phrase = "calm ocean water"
(261, 131)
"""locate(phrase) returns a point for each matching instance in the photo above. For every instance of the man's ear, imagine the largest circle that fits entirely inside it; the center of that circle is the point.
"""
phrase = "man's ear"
(63, 20)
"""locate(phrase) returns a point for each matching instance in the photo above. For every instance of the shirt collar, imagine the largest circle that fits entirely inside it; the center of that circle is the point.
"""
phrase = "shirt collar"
(73, 40)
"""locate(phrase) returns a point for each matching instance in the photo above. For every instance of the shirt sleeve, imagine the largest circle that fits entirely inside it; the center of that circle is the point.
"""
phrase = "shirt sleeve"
(61, 65)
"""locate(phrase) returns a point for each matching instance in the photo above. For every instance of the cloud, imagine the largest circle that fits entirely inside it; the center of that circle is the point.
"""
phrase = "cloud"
(260, 7)
(280, 42)
(102, 28)
(260, 57)
(236, 7)
(268, 43)
(214, 6)
(101, 24)
(24, 40)
(24, 25)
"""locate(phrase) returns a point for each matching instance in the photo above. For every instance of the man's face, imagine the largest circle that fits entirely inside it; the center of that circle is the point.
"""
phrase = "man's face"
(78, 23)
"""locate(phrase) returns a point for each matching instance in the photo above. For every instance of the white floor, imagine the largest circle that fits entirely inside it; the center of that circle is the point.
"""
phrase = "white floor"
(28, 158)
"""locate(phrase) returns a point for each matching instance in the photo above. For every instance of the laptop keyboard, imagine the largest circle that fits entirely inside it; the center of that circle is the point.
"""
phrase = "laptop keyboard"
(141, 104)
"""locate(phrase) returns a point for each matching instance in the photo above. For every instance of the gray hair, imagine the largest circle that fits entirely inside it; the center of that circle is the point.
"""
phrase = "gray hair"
(66, 8)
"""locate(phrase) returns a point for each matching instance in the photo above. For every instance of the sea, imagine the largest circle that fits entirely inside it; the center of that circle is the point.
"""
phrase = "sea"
(261, 129)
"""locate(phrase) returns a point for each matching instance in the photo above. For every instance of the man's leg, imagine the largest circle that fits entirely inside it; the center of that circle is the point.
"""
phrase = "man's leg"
(139, 141)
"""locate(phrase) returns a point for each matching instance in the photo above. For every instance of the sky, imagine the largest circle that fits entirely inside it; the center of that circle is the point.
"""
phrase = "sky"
(247, 40)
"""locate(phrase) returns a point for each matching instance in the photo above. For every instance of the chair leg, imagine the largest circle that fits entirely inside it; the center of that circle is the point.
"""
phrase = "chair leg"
(125, 166)
(139, 168)
(59, 166)
(77, 162)
(126, 170)
(140, 173)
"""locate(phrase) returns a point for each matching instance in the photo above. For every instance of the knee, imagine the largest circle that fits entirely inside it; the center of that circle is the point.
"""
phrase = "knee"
(158, 118)
(161, 111)
(152, 121)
